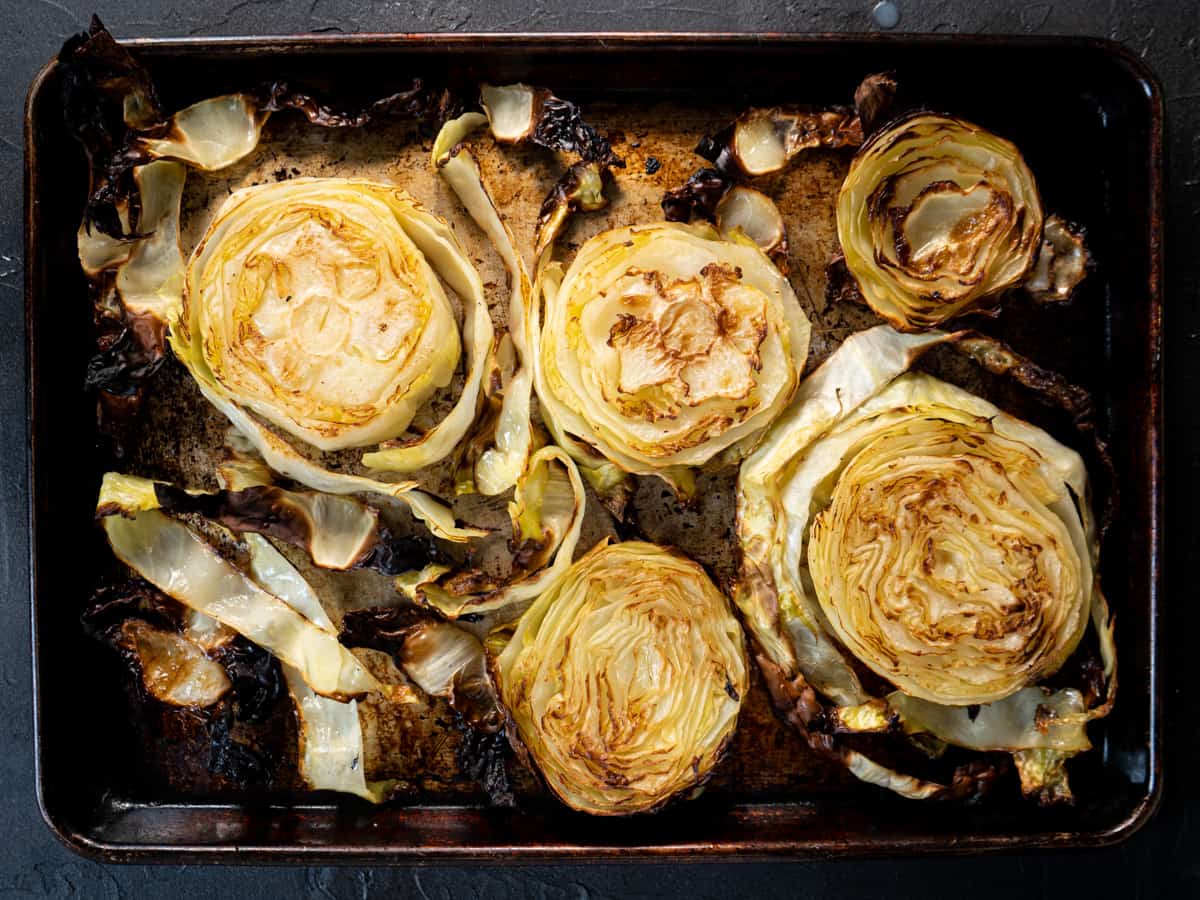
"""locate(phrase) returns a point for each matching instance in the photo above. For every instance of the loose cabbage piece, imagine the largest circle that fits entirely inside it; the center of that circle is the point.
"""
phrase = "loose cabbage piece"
(174, 670)
(519, 113)
(935, 216)
(698, 197)
(663, 346)
(184, 566)
(337, 532)
(547, 512)
(624, 679)
(331, 743)
(761, 141)
(948, 546)
(1062, 262)
(441, 658)
(499, 466)
(166, 654)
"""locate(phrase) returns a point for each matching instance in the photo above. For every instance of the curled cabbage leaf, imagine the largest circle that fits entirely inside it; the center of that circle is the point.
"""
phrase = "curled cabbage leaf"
(547, 513)
(1062, 262)
(518, 114)
(943, 544)
(499, 465)
(625, 679)
(331, 756)
(935, 216)
(167, 652)
(183, 565)
(664, 345)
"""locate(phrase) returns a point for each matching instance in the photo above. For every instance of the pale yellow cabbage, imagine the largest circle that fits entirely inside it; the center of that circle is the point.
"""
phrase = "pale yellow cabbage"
(946, 545)
(664, 345)
(625, 679)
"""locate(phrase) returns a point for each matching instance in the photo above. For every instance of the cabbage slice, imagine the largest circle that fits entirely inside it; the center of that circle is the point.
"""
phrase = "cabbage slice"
(861, 423)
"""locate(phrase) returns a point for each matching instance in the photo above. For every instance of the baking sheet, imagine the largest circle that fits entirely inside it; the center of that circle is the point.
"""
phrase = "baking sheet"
(768, 778)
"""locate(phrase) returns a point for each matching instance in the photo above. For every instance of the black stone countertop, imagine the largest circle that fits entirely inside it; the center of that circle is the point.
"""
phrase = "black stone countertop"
(1162, 860)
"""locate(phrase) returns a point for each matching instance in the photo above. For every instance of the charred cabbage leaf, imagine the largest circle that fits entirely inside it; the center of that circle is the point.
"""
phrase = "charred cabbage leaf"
(127, 241)
(624, 679)
(761, 141)
(167, 654)
(903, 523)
(547, 513)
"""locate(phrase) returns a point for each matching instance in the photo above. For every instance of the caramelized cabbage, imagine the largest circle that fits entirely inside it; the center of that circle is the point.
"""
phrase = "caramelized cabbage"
(316, 307)
(944, 544)
(625, 679)
(664, 345)
(935, 216)
(184, 566)
(547, 512)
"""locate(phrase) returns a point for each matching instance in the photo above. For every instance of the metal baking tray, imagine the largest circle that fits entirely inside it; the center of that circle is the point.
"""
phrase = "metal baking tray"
(1088, 116)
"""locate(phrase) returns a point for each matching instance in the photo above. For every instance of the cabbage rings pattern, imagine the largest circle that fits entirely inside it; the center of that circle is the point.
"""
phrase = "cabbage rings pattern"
(935, 216)
(625, 679)
(663, 345)
(942, 543)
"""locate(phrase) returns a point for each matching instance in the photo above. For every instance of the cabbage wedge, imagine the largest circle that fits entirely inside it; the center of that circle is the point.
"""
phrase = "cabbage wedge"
(624, 679)
(898, 521)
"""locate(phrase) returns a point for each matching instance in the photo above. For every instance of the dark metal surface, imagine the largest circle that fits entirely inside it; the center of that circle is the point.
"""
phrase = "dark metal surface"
(770, 802)
(1158, 861)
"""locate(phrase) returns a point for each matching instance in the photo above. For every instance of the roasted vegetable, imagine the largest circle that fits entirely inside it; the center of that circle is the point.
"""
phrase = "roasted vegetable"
(547, 512)
(111, 104)
(624, 679)
(761, 141)
(1062, 262)
(331, 742)
(241, 324)
(184, 566)
(942, 543)
(316, 306)
(663, 346)
(500, 465)
(936, 216)
(519, 113)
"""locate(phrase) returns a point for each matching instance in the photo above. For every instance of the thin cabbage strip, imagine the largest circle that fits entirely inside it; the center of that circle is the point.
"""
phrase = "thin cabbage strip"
(184, 566)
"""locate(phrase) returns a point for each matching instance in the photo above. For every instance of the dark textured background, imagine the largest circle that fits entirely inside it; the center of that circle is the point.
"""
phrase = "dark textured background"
(1162, 860)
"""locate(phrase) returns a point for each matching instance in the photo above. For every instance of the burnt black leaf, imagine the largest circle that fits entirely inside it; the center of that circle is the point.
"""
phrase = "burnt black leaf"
(697, 198)
(257, 681)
